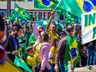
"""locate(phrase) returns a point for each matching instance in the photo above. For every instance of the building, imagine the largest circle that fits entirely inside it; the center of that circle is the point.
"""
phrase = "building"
(29, 6)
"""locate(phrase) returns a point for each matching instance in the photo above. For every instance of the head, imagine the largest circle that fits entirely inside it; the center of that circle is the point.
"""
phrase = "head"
(19, 31)
(44, 37)
(70, 30)
(40, 29)
(53, 27)
(14, 30)
(62, 34)
(31, 52)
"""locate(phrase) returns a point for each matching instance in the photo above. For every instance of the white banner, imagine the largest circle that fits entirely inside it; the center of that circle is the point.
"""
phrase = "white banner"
(88, 22)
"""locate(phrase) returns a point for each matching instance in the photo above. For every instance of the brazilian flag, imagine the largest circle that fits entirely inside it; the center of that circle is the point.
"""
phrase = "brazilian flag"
(32, 40)
(72, 50)
(12, 17)
(20, 63)
(44, 4)
(22, 13)
(77, 7)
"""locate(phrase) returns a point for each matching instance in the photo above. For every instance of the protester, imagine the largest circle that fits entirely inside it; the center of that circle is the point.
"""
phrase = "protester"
(51, 28)
(52, 53)
(27, 34)
(44, 52)
(33, 60)
(64, 54)
(22, 43)
(12, 44)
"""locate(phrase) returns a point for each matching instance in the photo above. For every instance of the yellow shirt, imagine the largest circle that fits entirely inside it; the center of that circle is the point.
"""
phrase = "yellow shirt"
(52, 36)
(52, 55)
(38, 48)
(33, 60)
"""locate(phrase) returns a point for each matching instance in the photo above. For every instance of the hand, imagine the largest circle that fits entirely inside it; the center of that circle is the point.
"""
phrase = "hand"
(40, 71)
(56, 68)
(52, 13)
(14, 52)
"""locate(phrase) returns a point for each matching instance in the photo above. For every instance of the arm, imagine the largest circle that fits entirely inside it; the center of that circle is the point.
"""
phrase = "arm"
(49, 21)
(44, 60)
(35, 31)
(37, 42)
(61, 50)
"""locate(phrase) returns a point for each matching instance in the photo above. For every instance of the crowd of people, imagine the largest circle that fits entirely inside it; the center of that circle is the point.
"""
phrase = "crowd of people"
(46, 50)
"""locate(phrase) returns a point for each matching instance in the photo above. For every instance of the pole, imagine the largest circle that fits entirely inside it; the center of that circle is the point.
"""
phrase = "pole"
(8, 7)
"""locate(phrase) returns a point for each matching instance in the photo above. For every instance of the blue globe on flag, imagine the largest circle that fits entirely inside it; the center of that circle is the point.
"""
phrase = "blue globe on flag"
(46, 2)
(88, 5)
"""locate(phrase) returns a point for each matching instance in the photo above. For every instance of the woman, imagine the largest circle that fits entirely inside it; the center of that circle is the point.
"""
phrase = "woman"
(44, 52)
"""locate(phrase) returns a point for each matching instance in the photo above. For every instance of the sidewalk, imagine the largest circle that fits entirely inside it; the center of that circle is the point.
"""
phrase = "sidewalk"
(86, 69)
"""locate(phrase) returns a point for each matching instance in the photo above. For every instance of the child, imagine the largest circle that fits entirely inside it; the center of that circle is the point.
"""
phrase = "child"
(52, 53)
(32, 59)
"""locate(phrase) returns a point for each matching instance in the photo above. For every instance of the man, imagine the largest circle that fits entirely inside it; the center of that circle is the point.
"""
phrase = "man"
(51, 28)
(12, 44)
(67, 50)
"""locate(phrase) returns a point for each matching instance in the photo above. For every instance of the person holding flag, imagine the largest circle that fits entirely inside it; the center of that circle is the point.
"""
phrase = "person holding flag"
(51, 27)
(67, 50)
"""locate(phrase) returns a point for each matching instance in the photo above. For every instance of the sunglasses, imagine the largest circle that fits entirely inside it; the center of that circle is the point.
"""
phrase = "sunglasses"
(61, 34)
(71, 30)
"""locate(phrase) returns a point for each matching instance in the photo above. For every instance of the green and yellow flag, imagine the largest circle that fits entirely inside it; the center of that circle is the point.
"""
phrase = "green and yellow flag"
(77, 7)
(32, 40)
(22, 13)
(44, 4)
(72, 50)
(20, 63)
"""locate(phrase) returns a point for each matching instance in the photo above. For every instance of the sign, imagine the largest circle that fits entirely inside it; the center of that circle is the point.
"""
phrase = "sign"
(88, 22)
(41, 14)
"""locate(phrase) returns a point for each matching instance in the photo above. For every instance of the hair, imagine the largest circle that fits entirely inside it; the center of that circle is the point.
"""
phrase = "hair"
(54, 42)
(45, 36)
(14, 28)
(62, 33)
(69, 27)
(19, 27)
(2, 27)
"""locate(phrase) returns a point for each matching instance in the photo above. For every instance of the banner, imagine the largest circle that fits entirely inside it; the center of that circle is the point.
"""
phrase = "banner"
(88, 23)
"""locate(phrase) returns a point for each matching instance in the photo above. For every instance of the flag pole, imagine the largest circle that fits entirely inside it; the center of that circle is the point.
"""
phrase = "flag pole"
(8, 7)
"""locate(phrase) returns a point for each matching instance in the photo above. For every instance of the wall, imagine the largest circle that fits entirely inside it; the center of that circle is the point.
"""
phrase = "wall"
(26, 5)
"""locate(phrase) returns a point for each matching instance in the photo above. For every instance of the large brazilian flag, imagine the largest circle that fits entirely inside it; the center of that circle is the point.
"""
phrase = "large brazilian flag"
(77, 7)
(44, 4)
(72, 50)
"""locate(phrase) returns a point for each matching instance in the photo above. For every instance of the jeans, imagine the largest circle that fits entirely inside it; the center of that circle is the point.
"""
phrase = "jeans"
(46, 70)
(90, 55)
(61, 67)
(94, 57)
(52, 66)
